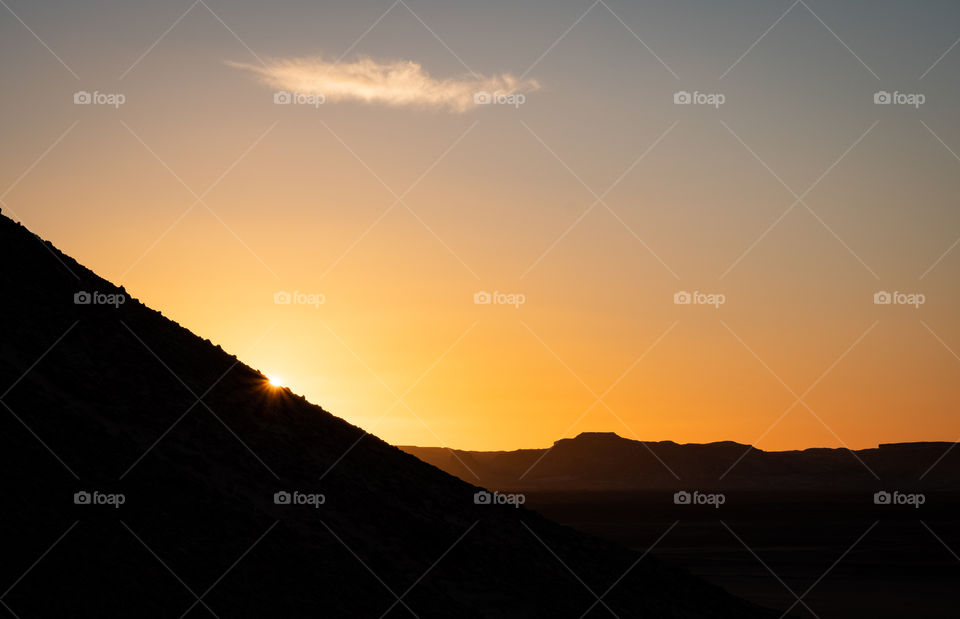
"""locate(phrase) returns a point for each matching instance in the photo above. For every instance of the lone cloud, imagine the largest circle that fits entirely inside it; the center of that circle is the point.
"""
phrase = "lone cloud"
(401, 83)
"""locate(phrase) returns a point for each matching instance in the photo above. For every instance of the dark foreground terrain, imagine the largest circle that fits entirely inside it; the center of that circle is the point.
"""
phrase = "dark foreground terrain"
(775, 527)
(141, 466)
(898, 568)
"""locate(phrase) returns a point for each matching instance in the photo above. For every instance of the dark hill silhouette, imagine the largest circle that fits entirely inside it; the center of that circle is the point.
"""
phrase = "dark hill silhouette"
(103, 398)
(606, 461)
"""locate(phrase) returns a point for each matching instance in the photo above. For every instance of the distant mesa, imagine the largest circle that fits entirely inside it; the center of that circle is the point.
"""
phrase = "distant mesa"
(607, 461)
(596, 436)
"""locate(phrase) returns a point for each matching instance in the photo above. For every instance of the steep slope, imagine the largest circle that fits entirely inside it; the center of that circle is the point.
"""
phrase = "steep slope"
(115, 400)
(605, 461)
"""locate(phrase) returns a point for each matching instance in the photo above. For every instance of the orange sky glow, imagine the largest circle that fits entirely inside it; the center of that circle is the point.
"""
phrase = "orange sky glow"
(444, 270)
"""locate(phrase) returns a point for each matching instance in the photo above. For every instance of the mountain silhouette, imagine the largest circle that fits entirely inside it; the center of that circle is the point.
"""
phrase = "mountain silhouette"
(606, 461)
(149, 473)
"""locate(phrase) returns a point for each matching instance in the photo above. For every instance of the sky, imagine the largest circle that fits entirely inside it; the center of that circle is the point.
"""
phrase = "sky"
(486, 216)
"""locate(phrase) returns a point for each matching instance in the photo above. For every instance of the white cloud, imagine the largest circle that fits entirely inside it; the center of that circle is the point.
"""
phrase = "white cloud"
(401, 83)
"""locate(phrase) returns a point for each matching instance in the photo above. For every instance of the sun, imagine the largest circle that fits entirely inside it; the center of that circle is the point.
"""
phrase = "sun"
(275, 381)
